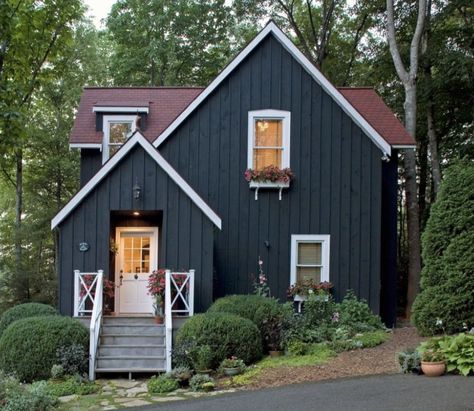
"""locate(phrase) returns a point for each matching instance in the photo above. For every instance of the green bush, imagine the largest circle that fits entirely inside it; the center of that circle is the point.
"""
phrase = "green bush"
(24, 311)
(226, 335)
(181, 374)
(459, 353)
(17, 397)
(199, 381)
(372, 338)
(28, 347)
(258, 309)
(446, 300)
(72, 386)
(357, 315)
(161, 384)
(409, 361)
(73, 358)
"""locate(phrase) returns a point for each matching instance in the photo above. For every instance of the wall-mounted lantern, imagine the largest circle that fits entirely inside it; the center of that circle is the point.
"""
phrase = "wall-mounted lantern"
(137, 190)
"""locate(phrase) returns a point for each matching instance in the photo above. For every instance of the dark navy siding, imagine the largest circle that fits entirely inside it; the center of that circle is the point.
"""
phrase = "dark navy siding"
(337, 189)
(186, 235)
(91, 162)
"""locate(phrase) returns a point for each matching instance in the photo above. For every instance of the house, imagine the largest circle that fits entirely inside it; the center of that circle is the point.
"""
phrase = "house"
(162, 183)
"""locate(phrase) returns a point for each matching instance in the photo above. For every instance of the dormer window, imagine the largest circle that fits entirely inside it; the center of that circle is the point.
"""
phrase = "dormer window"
(117, 129)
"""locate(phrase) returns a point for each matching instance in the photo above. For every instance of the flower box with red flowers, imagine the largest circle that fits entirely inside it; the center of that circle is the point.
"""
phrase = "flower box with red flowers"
(271, 177)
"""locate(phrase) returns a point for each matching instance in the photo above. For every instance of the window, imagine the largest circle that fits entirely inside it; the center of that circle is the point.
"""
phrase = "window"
(309, 258)
(268, 139)
(117, 129)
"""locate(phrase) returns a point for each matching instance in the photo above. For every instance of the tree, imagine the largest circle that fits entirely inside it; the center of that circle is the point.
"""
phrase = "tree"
(162, 42)
(408, 78)
(446, 301)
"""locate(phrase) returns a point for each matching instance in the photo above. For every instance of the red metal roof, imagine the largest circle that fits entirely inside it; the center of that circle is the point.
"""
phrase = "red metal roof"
(164, 103)
(371, 106)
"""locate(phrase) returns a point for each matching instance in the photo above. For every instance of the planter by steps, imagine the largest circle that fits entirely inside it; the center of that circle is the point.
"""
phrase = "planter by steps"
(433, 369)
(231, 371)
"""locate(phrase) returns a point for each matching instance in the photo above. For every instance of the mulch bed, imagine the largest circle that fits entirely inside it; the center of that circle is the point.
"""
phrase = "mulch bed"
(369, 361)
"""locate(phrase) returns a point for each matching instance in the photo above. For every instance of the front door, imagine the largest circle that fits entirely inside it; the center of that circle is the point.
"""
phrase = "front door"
(137, 257)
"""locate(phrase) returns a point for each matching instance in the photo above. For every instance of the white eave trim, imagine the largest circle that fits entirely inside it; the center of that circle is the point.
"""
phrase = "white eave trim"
(137, 138)
(402, 146)
(110, 109)
(271, 27)
(86, 145)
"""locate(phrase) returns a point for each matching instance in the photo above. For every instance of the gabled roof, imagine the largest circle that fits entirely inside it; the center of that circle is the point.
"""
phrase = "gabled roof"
(371, 106)
(271, 28)
(136, 139)
(164, 105)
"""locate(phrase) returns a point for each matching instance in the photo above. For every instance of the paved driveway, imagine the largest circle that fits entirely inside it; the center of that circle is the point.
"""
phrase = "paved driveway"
(391, 392)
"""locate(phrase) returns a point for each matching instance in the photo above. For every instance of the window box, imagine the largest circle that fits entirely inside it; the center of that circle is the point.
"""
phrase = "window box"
(277, 185)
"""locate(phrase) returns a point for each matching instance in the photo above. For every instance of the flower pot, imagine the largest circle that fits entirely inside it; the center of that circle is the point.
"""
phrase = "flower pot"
(275, 353)
(159, 319)
(231, 371)
(433, 369)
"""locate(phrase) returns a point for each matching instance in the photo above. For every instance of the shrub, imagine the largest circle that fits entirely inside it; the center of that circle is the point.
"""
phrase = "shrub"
(24, 311)
(202, 358)
(72, 386)
(258, 309)
(357, 315)
(181, 354)
(226, 335)
(297, 347)
(181, 374)
(458, 351)
(28, 347)
(73, 358)
(447, 280)
(197, 382)
(372, 338)
(409, 361)
(161, 384)
(57, 372)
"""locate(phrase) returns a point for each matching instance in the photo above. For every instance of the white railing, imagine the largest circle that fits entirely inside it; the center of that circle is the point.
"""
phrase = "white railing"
(88, 298)
(179, 300)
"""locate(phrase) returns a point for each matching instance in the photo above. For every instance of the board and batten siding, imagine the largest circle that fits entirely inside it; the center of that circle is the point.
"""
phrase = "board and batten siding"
(186, 234)
(336, 191)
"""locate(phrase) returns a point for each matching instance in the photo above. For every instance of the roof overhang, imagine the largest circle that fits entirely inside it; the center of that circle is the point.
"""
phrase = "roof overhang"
(86, 145)
(136, 139)
(119, 109)
(272, 28)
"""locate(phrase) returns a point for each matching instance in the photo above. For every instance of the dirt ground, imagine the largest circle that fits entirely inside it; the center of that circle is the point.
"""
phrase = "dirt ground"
(378, 360)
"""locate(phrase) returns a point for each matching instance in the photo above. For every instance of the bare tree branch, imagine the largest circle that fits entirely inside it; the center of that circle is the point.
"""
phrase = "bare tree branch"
(392, 42)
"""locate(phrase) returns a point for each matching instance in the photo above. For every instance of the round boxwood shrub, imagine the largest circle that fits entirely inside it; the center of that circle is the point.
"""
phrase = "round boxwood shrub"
(28, 347)
(24, 311)
(446, 301)
(226, 334)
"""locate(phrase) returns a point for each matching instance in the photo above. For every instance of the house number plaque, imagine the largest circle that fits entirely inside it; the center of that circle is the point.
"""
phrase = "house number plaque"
(83, 247)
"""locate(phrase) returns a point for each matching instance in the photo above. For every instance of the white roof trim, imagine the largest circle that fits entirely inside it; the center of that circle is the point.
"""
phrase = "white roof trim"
(86, 145)
(112, 109)
(137, 138)
(404, 146)
(271, 27)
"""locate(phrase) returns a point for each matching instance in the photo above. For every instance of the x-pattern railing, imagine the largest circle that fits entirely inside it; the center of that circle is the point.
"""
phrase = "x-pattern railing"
(85, 286)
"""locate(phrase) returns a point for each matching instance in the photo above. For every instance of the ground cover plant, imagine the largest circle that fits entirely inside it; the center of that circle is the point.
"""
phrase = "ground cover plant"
(21, 311)
(28, 347)
(162, 384)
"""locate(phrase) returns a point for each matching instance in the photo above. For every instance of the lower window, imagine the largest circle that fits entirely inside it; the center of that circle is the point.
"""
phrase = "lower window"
(309, 258)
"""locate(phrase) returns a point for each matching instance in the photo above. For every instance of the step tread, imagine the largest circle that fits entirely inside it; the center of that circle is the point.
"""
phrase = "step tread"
(134, 325)
(132, 335)
(129, 369)
(131, 357)
(131, 346)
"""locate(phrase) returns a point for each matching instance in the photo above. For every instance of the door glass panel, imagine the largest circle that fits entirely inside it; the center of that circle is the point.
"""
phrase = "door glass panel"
(309, 273)
(136, 254)
(309, 253)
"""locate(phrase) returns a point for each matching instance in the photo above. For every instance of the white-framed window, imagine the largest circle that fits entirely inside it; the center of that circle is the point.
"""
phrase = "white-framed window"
(268, 139)
(117, 129)
(309, 257)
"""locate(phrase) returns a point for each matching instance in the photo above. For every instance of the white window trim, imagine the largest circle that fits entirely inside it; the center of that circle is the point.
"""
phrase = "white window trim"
(117, 109)
(324, 239)
(106, 129)
(269, 115)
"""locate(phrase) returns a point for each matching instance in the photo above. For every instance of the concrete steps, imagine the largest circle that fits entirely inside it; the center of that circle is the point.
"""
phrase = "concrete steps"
(131, 344)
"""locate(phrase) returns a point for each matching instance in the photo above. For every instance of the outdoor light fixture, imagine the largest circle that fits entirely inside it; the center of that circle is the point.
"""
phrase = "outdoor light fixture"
(136, 213)
(137, 190)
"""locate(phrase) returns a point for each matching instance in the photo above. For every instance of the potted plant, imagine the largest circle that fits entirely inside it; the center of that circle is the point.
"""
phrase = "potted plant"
(433, 363)
(202, 358)
(272, 330)
(156, 288)
(269, 174)
(232, 366)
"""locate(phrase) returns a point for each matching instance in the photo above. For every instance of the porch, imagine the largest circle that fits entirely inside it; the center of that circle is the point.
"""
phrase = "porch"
(131, 342)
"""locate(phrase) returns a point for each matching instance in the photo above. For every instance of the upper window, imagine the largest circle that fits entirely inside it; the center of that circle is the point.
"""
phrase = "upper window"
(268, 139)
(117, 129)
(309, 258)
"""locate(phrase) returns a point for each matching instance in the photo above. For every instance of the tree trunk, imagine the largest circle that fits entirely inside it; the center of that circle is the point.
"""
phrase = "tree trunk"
(433, 147)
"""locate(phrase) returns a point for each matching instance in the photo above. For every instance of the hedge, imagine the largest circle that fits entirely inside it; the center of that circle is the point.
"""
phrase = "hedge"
(24, 311)
(28, 347)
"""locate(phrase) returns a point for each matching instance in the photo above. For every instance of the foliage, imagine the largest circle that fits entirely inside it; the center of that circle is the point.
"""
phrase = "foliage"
(410, 361)
(447, 295)
(226, 334)
(73, 358)
(458, 351)
(24, 311)
(181, 374)
(181, 353)
(57, 372)
(272, 332)
(297, 347)
(371, 339)
(18, 397)
(161, 384)
(233, 362)
(202, 358)
(197, 382)
(270, 173)
(28, 347)
(260, 310)
(260, 285)
(357, 315)
(431, 351)
(74, 385)
(307, 287)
